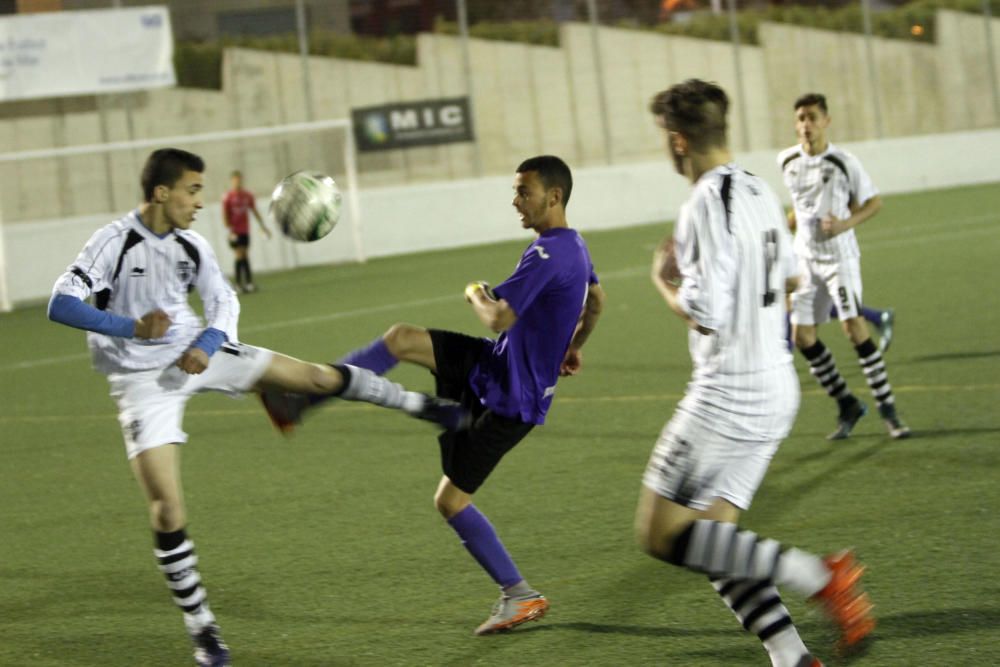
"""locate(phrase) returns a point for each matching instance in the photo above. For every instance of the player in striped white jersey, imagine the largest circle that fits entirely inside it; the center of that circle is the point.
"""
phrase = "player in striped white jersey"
(832, 194)
(157, 353)
(726, 276)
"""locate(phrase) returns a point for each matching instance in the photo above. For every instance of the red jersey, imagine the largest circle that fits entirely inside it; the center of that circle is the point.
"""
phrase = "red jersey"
(236, 206)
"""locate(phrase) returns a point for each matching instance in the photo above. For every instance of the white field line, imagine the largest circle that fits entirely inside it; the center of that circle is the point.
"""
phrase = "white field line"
(953, 231)
(626, 398)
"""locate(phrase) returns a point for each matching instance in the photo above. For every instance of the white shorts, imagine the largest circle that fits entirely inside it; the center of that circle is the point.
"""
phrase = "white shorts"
(826, 284)
(151, 403)
(692, 464)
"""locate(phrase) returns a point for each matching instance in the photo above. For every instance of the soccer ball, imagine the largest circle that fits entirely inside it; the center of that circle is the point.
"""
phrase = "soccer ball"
(306, 205)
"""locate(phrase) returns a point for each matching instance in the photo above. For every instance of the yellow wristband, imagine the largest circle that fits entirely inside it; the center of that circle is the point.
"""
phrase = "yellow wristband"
(472, 288)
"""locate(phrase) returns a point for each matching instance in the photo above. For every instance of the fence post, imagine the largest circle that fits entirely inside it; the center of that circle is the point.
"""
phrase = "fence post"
(734, 36)
(300, 24)
(599, 71)
(866, 15)
(991, 59)
(463, 33)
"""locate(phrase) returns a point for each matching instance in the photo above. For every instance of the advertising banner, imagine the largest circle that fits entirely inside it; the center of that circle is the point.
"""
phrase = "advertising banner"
(55, 54)
(409, 124)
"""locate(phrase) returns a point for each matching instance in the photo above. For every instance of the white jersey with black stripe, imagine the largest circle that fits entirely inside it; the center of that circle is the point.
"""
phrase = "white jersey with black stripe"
(735, 254)
(130, 271)
(826, 184)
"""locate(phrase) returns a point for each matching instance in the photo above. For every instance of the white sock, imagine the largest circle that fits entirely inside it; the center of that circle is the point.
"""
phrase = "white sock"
(801, 571)
(364, 385)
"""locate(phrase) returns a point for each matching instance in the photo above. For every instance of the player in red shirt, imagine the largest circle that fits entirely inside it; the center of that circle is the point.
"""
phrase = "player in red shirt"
(237, 204)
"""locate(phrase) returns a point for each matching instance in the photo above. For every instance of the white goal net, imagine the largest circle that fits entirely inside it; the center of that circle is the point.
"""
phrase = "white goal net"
(53, 199)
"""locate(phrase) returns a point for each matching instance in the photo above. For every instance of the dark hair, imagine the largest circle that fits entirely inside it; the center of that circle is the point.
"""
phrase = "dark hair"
(553, 171)
(165, 166)
(811, 99)
(695, 108)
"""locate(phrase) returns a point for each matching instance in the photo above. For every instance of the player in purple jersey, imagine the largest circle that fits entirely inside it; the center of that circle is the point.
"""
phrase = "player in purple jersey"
(543, 314)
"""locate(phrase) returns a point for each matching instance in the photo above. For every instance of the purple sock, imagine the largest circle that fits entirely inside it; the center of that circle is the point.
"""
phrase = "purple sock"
(872, 315)
(375, 357)
(478, 536)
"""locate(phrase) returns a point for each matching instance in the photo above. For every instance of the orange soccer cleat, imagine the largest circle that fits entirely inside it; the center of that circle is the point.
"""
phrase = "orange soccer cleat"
(845, 602)
(510, 612)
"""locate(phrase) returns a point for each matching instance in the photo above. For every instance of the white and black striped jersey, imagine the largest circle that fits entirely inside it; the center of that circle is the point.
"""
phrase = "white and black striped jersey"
(130, 271)
(820, 185)
(735, 254)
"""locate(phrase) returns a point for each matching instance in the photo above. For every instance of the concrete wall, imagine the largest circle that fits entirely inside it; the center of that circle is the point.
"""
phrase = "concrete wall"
(526, 99)
(430, 216)
(964, 70)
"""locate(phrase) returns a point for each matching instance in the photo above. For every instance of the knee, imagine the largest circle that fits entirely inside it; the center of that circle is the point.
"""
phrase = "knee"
(401, 338)
(805, 337)
(448, 507)
(166, 515)
(856, 330)
(651, 543)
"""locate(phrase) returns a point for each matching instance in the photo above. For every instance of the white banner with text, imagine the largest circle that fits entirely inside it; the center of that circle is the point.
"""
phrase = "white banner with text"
(55, 54)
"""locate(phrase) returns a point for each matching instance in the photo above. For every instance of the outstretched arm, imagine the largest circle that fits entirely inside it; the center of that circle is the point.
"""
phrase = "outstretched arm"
(72, 311)
(592, 309)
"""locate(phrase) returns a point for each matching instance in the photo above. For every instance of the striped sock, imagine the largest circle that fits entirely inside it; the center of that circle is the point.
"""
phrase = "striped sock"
(720, 549)
(177, 561)
(874, 369)
(823, 368)
(758, 607)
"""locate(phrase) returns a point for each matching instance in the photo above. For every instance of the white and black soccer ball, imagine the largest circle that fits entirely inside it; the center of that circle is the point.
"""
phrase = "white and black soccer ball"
(306, 205)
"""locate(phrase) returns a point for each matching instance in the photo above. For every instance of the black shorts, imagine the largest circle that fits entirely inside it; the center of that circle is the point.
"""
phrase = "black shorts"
(468, 457)
(239, 241)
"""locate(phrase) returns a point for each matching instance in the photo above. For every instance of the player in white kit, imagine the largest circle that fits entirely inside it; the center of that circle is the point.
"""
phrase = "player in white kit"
(832, 194)
(726, 276)
(157, 353)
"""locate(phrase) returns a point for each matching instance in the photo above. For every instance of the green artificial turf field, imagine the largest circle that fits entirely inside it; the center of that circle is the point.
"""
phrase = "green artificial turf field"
(326, 550)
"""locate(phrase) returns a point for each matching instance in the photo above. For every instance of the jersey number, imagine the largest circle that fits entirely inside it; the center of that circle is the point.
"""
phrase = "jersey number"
(770, 257)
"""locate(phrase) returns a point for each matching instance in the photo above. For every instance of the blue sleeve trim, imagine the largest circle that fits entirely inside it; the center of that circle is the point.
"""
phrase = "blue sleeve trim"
(71, 311)
(210, 340)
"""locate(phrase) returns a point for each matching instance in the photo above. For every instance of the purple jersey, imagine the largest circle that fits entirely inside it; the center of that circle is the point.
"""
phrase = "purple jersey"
(517, 378)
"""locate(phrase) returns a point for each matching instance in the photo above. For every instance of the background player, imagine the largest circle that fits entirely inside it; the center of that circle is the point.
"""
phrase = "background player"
(884, 320)
(237, 205)
(543, 314)
(156, 353)
(832, 194)
(734, 259)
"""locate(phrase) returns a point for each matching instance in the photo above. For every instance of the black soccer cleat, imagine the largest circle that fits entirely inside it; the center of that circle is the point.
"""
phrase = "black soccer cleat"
(847, 418)
(897, 429)
(209, 649)
(447, 414)
(285, 409)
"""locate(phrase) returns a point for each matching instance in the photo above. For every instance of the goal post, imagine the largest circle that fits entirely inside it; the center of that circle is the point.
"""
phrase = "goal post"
(54, 198)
